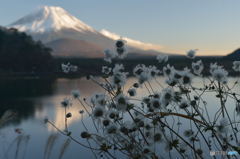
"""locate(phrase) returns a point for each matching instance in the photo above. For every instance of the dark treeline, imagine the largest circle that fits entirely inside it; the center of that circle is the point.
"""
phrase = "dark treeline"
(20, 53)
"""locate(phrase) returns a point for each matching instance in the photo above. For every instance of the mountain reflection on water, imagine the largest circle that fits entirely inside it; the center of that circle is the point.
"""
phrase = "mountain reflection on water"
(34, 100)
(30, 98)
(15, 95)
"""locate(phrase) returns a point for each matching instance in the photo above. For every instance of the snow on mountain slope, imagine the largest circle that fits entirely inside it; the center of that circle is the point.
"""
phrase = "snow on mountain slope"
(131, 42)
(50, 24)
(50, 19)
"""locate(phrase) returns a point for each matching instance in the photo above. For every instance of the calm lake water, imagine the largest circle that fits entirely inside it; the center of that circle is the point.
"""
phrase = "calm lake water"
(35, 100)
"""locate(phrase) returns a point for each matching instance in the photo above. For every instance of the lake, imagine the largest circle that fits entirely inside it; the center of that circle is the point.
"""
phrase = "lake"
(34, 100)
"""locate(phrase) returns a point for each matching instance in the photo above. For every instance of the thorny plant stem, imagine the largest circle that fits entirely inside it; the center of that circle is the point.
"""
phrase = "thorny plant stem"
(221, 98)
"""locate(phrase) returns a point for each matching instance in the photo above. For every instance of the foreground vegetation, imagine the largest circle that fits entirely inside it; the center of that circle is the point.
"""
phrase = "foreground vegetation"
(174, 118)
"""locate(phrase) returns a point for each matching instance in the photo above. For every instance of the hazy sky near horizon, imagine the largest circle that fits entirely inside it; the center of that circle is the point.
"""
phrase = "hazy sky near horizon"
(211, 26)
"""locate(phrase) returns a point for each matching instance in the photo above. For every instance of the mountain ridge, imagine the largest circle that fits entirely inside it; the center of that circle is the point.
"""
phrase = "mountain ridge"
(234, 55)
(50, 23)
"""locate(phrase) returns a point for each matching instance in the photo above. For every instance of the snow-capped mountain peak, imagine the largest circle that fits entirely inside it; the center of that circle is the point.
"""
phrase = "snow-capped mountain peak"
(67, 35)
(50, 18)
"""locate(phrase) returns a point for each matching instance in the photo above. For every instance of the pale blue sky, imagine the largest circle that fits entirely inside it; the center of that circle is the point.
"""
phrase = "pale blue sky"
(212, 26)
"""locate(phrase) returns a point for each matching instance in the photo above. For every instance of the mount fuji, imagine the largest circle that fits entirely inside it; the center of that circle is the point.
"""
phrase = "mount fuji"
(69, 36)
